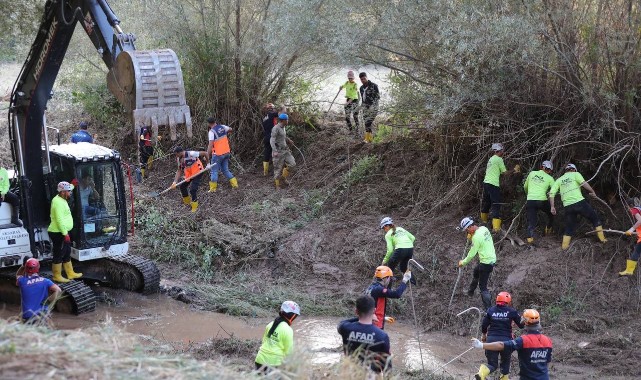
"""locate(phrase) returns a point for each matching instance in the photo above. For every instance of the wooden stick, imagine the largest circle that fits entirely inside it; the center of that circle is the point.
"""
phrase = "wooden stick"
(608, 230)
(181, 182)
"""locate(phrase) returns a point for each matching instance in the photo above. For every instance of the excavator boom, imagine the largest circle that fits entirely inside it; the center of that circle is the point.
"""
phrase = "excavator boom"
(149, 84)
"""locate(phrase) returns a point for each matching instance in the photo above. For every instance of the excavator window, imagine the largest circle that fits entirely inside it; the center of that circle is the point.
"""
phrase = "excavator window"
(97, 197)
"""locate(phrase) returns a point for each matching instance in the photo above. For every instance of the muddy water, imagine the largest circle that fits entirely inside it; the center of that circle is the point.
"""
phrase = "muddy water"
(163, 318)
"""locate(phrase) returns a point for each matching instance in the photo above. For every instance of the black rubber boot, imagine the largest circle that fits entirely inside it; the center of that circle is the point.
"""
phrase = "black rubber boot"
(14, 217)
(487, 299)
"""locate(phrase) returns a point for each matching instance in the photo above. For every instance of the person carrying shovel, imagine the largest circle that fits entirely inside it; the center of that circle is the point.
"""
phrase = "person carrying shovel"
(483, 244)
(190, 165)
(631, 263)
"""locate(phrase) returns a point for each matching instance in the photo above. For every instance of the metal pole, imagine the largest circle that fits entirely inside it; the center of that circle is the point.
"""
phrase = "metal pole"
(479, 311)
(418, 333)
(458, 276)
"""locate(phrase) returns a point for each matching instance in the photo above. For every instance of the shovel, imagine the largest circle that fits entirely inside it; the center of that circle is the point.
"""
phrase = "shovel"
(155, 194)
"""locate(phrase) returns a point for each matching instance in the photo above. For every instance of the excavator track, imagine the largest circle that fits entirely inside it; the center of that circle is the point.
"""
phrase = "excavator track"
(146, 280)
(78, 298)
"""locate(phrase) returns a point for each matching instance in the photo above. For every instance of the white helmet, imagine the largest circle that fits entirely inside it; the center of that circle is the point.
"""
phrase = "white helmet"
(290, 307)
(64, 186)
(497, 147)
(465, 223)
(547, 165)
(386, 221)
(570, 166)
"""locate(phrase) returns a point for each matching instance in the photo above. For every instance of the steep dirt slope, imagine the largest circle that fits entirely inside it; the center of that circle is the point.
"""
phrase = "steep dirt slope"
(323, 236)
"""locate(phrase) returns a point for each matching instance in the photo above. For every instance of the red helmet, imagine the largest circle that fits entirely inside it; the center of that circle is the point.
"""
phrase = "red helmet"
(32, 266)
(504, 298)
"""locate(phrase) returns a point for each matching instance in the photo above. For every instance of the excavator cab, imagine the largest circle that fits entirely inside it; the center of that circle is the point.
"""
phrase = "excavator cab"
(98, 205)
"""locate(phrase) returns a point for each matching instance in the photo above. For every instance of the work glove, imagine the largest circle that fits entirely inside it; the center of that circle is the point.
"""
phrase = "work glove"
(460, 263)
(67, 239)
(517, 168)
(469, 237)
(390, 319)
(173, 185)
(628, 233)
(484, 338)
(407, 276)
(477, 343)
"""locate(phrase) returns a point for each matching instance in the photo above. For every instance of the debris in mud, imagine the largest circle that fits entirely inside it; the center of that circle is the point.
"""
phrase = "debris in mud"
(108, 299)
(178, 293)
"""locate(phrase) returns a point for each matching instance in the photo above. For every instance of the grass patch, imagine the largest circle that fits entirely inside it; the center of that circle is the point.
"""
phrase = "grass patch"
(238, 297)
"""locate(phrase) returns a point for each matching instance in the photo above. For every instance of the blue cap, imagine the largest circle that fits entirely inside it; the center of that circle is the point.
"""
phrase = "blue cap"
(283, 116)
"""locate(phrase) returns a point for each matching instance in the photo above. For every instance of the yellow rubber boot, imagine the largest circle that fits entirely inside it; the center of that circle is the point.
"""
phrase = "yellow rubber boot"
(530, 240)
(484, 372)
(496, 225)
(69, 271)
(194, 206)
(187, 200)
(600, 234)
(286, 172)
(548, 231)
(234, 183)
(504, 377)
(630, 266)
(150, 161)
(56, 269)
(212, 187)
(265, 168)
(485, 217)
(142, 172)
(277, 183)
(566, 242)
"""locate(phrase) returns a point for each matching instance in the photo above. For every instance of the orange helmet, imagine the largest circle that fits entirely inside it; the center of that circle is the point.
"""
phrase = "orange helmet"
(504, 298)
(383, 271)
(531, 317)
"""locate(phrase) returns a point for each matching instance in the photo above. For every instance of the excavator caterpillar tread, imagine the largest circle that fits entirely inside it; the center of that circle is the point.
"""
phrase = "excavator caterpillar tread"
(147, 269)
(82, 297)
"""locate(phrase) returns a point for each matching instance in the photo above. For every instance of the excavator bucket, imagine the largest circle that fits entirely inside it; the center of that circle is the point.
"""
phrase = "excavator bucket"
(149, 84)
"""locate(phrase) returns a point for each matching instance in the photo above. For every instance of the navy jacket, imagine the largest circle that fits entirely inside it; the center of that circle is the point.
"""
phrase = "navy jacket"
(380, 295)
(368, 343)
(498, 321)
(535, 352)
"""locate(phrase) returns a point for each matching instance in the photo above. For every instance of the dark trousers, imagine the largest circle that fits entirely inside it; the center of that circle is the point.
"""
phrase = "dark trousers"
(369, 114)
(491, 200)
(11, 199)
(267, 149)
(480, 277)
(350, 110)
(262, 369)
(574, 210)
(493, 356)
(636, 253)
(61, 250)
(532, 209)
(145, 153)
(192, 185)
(400, 256)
